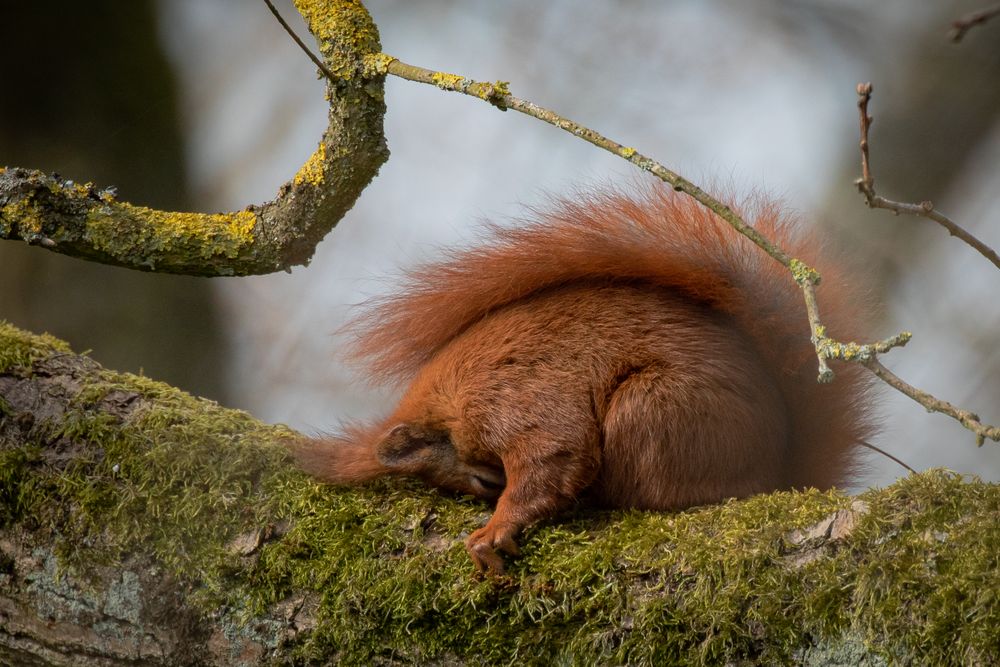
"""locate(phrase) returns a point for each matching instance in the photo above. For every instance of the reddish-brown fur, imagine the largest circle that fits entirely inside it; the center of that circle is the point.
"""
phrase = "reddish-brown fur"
(626, 350)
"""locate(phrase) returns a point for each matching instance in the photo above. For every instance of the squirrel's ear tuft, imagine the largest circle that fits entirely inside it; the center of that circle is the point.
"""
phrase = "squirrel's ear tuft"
(409, 447)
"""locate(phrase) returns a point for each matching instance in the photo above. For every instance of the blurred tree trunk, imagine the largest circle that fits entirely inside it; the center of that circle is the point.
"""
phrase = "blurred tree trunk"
(89, 94)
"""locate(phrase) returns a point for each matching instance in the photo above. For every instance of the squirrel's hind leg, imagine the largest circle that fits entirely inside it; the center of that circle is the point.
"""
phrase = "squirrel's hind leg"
(678, 437)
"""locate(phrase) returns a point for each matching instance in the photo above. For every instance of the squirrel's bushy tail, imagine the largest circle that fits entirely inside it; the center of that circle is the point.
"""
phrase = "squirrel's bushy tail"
(664, 238)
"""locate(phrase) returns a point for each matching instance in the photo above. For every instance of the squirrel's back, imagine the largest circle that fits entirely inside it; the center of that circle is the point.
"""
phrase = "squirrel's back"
(662, 242)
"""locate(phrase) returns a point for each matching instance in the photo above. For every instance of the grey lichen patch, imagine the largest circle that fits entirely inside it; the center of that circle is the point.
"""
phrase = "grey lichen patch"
(844, 651)
(907, 574)
(124, 598)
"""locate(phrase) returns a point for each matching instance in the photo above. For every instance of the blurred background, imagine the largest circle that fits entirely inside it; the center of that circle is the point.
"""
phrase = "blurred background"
(208, 105)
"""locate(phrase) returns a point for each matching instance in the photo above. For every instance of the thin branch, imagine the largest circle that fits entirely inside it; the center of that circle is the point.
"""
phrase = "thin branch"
(312, 56)
(961, 26)
(805, 276)
(885, 454)
(866, 185)
(968, 419)
(498, 94)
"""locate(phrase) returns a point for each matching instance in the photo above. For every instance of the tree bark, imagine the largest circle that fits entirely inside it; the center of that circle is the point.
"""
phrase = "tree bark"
(140, 525)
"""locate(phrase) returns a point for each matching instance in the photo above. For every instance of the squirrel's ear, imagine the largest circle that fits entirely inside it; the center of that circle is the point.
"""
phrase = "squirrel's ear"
(408, 447)
(399, 449)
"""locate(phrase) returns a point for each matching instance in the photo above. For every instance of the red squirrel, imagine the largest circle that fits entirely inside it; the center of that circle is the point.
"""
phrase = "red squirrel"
(624, 350)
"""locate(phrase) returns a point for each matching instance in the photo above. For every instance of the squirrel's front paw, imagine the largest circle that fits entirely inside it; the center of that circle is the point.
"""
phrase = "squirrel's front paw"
(483, 545)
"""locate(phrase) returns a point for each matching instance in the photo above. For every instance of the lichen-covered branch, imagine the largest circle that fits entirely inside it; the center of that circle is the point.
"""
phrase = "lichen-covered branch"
(83, 220)
(925, 209)
(140, 525)
(806, 277)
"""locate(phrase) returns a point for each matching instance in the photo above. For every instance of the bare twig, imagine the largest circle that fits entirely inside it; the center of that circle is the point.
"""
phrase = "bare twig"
(961, 26)
(968, 419)
(885, 454)
(866, 185)
(319, 63)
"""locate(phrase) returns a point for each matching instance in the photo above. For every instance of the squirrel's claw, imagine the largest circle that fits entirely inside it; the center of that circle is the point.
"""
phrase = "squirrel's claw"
(484, 544)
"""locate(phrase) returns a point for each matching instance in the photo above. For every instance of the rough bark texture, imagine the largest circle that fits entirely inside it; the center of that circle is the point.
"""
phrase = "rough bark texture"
(89, 222)
(139, 525)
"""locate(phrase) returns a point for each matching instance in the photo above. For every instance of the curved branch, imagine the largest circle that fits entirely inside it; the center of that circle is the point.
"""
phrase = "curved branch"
(87, 222)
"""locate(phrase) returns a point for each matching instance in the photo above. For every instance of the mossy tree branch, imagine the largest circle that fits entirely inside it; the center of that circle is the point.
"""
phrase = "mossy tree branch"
(139, 525)
(90, 222)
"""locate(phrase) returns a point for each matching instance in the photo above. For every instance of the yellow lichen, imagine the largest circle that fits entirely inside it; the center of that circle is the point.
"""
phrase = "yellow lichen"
(127, 231)
(493, 92)
(447, 81)
(344, 30)
(314, 169)
(628, 152)
(377, 64)
(803, 273)
(23, 213)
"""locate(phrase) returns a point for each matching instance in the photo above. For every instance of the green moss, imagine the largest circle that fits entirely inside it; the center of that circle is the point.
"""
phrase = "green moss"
(915, 581)
(18, 487)
(19, 348)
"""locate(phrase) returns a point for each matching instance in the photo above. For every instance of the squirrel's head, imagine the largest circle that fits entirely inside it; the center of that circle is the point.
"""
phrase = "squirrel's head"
(427, 452)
